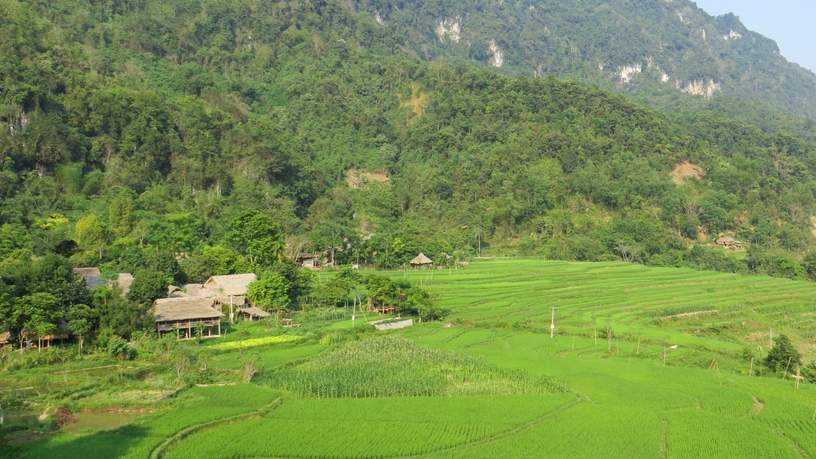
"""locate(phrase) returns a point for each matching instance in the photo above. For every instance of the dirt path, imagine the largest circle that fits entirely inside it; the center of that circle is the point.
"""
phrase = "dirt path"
(165, 446)
(664, 439)
(507, 433)
(758, 406)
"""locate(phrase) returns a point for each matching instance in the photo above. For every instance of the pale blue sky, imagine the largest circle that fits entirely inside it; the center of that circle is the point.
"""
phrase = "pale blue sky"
(791, 23)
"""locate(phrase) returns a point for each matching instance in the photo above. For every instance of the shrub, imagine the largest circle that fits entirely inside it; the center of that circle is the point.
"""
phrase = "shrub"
(121, 349)
(783, 356)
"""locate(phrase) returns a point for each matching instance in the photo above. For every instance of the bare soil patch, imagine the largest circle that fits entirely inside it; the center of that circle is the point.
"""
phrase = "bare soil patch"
(359, 178)
(416, 102)
(684, 171)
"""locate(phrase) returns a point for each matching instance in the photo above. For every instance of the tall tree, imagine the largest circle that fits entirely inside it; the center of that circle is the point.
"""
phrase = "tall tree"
(270, 293)
(255, 235)
(81, 321)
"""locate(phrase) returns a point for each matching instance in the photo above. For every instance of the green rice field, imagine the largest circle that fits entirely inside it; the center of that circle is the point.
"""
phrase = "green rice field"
(644, 363)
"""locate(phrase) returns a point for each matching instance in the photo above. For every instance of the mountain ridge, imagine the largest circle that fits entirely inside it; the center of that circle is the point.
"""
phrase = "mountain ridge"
(669, 45)
(137, 128)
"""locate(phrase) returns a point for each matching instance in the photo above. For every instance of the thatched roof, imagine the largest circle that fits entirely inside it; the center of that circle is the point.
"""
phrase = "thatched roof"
(176, 309)
(91, 276)
(197, 291)
(421, 260)
(124, 281)
(5, 338)
(231, 285)
(189, 291)
(252, 311)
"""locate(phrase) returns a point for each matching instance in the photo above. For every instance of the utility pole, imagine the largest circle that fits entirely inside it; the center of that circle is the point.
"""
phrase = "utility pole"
(552, 324)
(354, 313)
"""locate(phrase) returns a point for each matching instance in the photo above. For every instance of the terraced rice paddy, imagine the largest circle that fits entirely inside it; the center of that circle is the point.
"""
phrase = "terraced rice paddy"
(645, 363)
(714, 312)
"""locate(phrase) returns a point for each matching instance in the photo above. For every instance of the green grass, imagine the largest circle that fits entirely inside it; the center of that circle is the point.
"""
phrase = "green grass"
(490, 382)
(137, 440)
(370, 427)
(723, 312)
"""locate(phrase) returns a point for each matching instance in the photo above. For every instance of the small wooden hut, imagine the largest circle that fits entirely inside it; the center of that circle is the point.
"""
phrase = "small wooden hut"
(5, 339)
(252, 313)
(421, 261)
(185, 316)
(309, 261)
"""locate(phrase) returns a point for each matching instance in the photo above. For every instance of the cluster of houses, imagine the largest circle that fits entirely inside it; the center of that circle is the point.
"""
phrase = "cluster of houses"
(193, 309)
(315, 261)
(196, 309)
(93, 279)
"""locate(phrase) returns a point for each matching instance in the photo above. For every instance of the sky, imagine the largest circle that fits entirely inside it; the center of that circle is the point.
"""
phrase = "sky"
(791, 23)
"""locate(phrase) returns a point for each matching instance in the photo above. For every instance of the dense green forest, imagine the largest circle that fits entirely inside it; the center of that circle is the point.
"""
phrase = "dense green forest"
(179, 139)
(659, 51)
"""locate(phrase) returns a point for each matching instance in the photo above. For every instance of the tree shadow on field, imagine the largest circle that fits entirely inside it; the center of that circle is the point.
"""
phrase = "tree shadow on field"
(112, 443)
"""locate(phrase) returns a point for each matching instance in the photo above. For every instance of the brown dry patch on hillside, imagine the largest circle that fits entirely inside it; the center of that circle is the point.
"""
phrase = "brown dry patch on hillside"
(416, 102)
(358, 178)
(685, 170)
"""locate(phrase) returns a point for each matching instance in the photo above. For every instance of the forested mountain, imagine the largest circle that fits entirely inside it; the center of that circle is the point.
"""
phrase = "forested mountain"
(659, 48)
(135, 133)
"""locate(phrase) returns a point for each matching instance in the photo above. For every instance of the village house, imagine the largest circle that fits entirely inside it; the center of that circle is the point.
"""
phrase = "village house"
(218, 293)
(309, 261)
(421, 261)
(187, 317)
(230, 291)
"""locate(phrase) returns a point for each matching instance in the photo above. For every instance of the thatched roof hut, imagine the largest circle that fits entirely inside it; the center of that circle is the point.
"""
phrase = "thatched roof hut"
(91, 276)
(173, 309)
(230, 289)
(253, 313)
(421, 261)
(5, 338)
(185, 315)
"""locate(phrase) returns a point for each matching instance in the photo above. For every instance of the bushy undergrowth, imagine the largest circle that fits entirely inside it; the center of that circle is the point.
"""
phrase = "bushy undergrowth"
(393, 367)
(13, 360)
